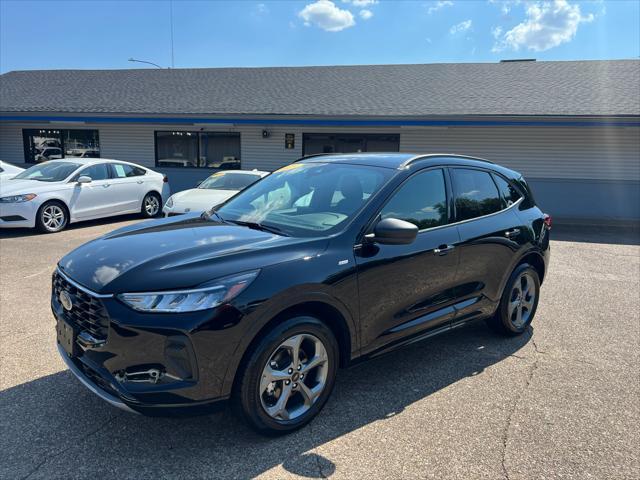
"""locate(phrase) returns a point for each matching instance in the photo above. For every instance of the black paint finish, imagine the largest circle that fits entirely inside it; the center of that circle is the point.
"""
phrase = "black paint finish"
(374, 296)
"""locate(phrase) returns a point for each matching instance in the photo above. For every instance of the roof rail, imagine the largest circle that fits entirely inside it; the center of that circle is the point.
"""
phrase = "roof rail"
(406, 163)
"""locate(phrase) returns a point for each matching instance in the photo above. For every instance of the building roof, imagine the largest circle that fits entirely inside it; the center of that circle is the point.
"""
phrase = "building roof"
(576, 88)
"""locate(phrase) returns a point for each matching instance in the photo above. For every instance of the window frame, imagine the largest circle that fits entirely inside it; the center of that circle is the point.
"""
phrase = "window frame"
(491, 173)
(114, 175)
(448, 192)
(27, 132)
(86, 167)
(198, 135)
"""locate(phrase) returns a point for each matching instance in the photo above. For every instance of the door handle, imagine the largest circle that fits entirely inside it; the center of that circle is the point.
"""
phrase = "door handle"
(105, 185)
(140, 182)
(512, 233)
(443, 249)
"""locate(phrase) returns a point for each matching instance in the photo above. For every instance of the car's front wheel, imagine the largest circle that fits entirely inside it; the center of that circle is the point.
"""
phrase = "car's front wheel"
(519, 301)
(288, 376)
(52, 217)
(151, 205)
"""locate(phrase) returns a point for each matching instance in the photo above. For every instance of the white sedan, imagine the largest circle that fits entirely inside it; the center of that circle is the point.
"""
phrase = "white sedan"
(215, 190)
(53, 194)
(7, 170)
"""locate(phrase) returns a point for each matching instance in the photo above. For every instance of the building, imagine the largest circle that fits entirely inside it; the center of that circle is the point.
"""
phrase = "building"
(572, 128)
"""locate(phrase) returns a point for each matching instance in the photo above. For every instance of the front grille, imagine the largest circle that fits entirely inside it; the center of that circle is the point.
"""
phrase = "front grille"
(88, 312)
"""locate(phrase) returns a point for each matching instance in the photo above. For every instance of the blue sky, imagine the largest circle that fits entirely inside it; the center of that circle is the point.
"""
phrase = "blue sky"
(104, 34)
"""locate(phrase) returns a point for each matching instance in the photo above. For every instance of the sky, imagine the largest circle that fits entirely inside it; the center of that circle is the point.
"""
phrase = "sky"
(243, 33)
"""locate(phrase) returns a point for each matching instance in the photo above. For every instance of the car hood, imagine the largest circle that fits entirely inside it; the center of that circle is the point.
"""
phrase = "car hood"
(178, 252)
(18, 187)
(200, 199)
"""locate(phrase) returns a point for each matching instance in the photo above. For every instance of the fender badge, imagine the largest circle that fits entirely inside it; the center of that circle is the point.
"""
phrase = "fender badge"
(343, 262)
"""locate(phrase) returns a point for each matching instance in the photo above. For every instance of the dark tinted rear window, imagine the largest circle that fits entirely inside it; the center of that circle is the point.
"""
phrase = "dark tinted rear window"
(475, 193)
(510, 194)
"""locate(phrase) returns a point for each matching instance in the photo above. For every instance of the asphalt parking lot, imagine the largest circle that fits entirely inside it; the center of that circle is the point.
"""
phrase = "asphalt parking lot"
(560, 402)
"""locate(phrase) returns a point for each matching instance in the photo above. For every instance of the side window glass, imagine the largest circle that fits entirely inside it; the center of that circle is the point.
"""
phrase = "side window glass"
(509, 193)
(475, 193)
(96, 172)
(122, 171)
(422, 200)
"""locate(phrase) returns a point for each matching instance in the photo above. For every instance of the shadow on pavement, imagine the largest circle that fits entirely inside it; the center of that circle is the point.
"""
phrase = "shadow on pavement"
(54, 427)
(615, 235)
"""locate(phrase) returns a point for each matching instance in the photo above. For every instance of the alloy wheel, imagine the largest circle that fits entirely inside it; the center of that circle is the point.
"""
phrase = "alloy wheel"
(53, 217)
(294, 377)
(522, 300)
(151, 205)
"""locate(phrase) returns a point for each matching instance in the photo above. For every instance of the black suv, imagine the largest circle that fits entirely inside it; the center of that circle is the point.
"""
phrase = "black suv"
(328, 260)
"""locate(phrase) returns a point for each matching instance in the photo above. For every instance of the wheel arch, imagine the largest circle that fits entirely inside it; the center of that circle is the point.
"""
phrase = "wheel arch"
(56, 200)
(334, 316)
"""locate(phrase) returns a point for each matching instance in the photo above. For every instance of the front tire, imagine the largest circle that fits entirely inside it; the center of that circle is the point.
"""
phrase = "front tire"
(151, 205)
(52, 217)
(288, 376)
(519, 302)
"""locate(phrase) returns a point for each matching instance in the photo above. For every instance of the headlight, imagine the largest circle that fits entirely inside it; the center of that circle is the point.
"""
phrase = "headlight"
(18, 198)
(169, 203)
(210, 296)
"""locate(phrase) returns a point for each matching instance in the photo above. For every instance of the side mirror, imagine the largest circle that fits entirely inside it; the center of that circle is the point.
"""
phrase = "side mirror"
(392, 231)
(84, 179)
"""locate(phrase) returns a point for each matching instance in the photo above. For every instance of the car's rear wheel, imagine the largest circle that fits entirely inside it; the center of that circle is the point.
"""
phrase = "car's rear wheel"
(288, 377)
(52, 217)
(151, 205)
(519, 301)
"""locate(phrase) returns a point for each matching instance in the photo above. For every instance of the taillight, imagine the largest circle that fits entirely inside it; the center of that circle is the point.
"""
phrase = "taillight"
(165, 179)
(547, 221)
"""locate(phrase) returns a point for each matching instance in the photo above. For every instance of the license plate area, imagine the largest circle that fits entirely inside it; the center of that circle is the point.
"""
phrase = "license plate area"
(67, 336)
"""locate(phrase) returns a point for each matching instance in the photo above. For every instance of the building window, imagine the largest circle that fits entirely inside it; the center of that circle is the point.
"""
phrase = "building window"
(219, 150)
(313, 143)
(41, 145)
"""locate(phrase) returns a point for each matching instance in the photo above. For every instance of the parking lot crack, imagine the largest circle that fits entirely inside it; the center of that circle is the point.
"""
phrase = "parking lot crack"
(49, 456)
(505, 433)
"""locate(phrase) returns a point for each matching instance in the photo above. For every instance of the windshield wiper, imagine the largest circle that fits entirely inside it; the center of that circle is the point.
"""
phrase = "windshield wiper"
(206, 215)
(260, 226)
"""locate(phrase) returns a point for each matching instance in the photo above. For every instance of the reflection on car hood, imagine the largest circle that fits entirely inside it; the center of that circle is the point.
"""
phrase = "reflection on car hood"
(18, 187)
(178, 252)
(200, 199)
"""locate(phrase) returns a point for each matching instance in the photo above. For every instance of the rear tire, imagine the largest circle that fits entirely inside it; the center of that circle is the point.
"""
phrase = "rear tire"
(52, 217)
(277, 393)
(519, 302)
(151, 205)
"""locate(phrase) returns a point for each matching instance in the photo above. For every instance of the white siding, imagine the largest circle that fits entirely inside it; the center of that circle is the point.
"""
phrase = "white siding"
(11, 148)
(539, 152)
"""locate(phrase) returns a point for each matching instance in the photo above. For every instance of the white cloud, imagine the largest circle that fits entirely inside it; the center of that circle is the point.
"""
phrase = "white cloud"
(262, 8)
(326, 15)
(505, 5)
(434, 7)
(460, 27)
(548, 24)
(366, 14)
(361, 3)
(496, 32)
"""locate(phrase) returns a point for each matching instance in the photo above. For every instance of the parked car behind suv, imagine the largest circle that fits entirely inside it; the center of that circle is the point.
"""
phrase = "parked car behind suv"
(325, 261)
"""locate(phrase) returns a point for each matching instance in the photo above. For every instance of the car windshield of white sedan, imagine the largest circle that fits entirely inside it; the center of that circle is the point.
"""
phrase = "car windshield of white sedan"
(229, 181)
(48, 172)
(305, 199)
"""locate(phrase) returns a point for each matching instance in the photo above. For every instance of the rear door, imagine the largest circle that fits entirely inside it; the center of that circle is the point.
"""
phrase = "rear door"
(406, 290)
(93, 199)
(490, 236)
(129, 186)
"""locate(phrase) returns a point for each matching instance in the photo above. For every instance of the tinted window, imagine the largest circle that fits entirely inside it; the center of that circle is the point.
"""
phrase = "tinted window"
(422, 200)
(96, 172)
(509, 193)
(475, 193)
(120, 170)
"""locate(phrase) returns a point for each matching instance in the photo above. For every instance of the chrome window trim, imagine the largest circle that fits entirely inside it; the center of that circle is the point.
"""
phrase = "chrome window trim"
(474, 218)
(80, 287)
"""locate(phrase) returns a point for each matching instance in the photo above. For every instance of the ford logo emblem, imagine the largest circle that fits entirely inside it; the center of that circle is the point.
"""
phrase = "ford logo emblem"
(65, 300)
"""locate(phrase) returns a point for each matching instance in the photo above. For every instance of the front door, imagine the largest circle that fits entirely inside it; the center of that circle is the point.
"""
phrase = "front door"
(93, 199)
(406, 290)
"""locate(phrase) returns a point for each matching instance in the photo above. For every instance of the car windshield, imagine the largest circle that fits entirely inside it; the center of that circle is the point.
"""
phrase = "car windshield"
(48, 172)
(229, 181)
(306, 199)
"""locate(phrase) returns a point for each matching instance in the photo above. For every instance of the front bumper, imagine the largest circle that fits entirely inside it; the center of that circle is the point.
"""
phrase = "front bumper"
(148, 363)
(18, 215)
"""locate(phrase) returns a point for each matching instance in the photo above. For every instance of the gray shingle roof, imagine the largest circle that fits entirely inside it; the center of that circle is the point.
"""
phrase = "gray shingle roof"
(609, 87)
